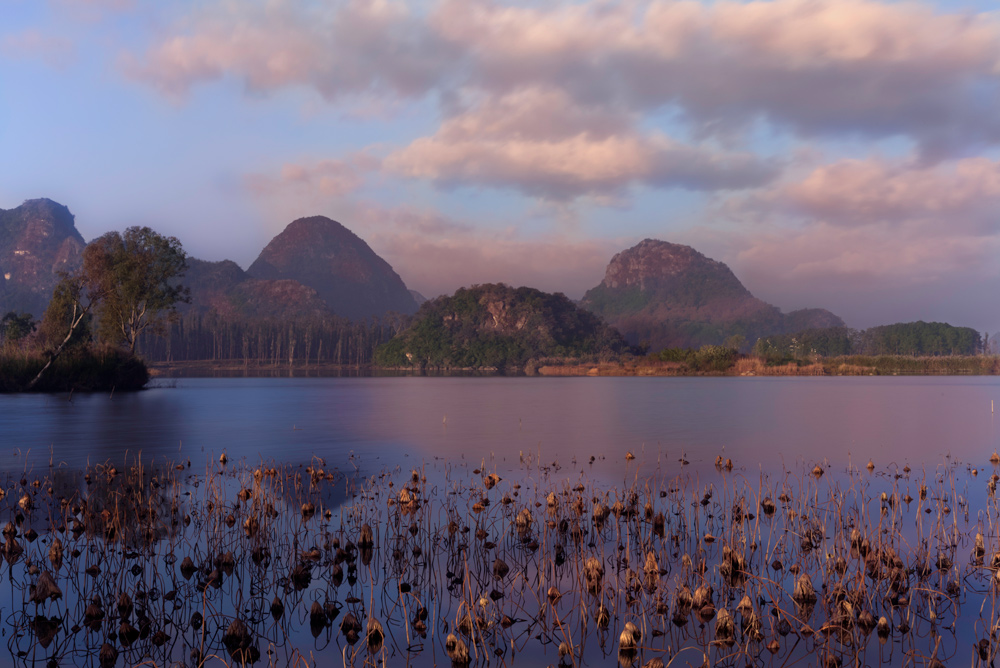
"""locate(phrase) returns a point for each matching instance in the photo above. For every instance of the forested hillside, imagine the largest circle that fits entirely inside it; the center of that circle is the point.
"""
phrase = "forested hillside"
(497, 326)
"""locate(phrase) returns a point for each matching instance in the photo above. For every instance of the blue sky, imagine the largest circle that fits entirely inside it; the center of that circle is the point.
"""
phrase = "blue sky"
(836, 153)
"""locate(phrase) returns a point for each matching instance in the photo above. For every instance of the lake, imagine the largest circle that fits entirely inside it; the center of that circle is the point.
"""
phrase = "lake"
(526, 521)
(403, 421)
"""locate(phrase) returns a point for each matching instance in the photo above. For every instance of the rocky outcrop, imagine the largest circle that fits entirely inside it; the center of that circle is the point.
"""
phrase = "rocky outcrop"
(670, 295)
(38, 240)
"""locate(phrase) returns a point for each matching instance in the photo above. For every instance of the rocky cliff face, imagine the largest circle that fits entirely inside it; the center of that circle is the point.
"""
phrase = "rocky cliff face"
(661, 267)
(37, 240)
(671, 295)
(345, 272)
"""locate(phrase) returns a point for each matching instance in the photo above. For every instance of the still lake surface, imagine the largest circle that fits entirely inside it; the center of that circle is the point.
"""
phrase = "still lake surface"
(388, 422)
(438, 553)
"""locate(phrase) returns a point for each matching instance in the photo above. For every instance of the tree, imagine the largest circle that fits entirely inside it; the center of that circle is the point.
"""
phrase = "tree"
(66, 308)
(79, 300)
(16, 326)
(136, 275)
(129, 280)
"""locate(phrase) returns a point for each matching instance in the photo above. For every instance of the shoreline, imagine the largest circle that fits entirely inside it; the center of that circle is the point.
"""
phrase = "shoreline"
(886, 365)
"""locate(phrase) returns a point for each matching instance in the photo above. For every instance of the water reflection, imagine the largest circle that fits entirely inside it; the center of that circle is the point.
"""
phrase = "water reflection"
(395, 420)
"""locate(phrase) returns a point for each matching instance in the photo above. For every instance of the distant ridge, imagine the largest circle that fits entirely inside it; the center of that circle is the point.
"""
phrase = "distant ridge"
(670, 295)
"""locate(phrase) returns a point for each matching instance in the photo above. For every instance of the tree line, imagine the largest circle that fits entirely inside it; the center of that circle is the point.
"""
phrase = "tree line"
(211, 337)
(920, 338)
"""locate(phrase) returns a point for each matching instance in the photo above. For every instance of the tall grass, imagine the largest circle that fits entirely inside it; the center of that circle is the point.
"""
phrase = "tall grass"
(84, 369)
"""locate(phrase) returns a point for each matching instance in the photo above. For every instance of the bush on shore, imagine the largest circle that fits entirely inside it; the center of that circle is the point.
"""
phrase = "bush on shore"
(91, 368)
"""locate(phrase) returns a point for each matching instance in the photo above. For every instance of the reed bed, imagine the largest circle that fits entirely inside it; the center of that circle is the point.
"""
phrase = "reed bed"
(261, 563)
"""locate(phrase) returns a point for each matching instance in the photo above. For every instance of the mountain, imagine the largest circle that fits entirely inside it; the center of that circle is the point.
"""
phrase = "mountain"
(345, 272)
(498, 326)
(37, 240)
(223, 287)
(671, 295)
(315, 268)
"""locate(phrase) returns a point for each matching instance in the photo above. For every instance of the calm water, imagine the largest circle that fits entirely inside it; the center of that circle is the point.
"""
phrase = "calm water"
(404, 421)
(541, 432)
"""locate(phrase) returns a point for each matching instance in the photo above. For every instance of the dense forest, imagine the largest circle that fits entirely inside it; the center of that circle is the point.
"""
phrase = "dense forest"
(213, 337)
(497, 326)
(911, 338)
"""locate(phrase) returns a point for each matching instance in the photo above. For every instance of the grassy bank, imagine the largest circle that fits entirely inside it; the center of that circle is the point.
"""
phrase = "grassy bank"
(87, 369)
(747, 365)
(849, 365)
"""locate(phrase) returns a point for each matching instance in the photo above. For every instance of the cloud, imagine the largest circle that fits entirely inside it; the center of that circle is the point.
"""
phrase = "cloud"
(540, 143)
(869, 238)
(95, 5)
(814, 67)
(875, 275)
(348, 48)
(324, 177)
(962, 193)
(885, 253)
(33, 44)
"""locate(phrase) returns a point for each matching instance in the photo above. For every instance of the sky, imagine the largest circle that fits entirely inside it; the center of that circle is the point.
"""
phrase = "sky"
(842, 154)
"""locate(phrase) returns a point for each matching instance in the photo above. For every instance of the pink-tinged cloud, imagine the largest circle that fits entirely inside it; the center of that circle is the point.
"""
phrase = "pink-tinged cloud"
(95, 5)
(542, 144)
(346, 48)
(334, 178)
(877, 219)
(816, 67)
(890, 254)
(874, 240)
(33, 44)
(959, 193)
